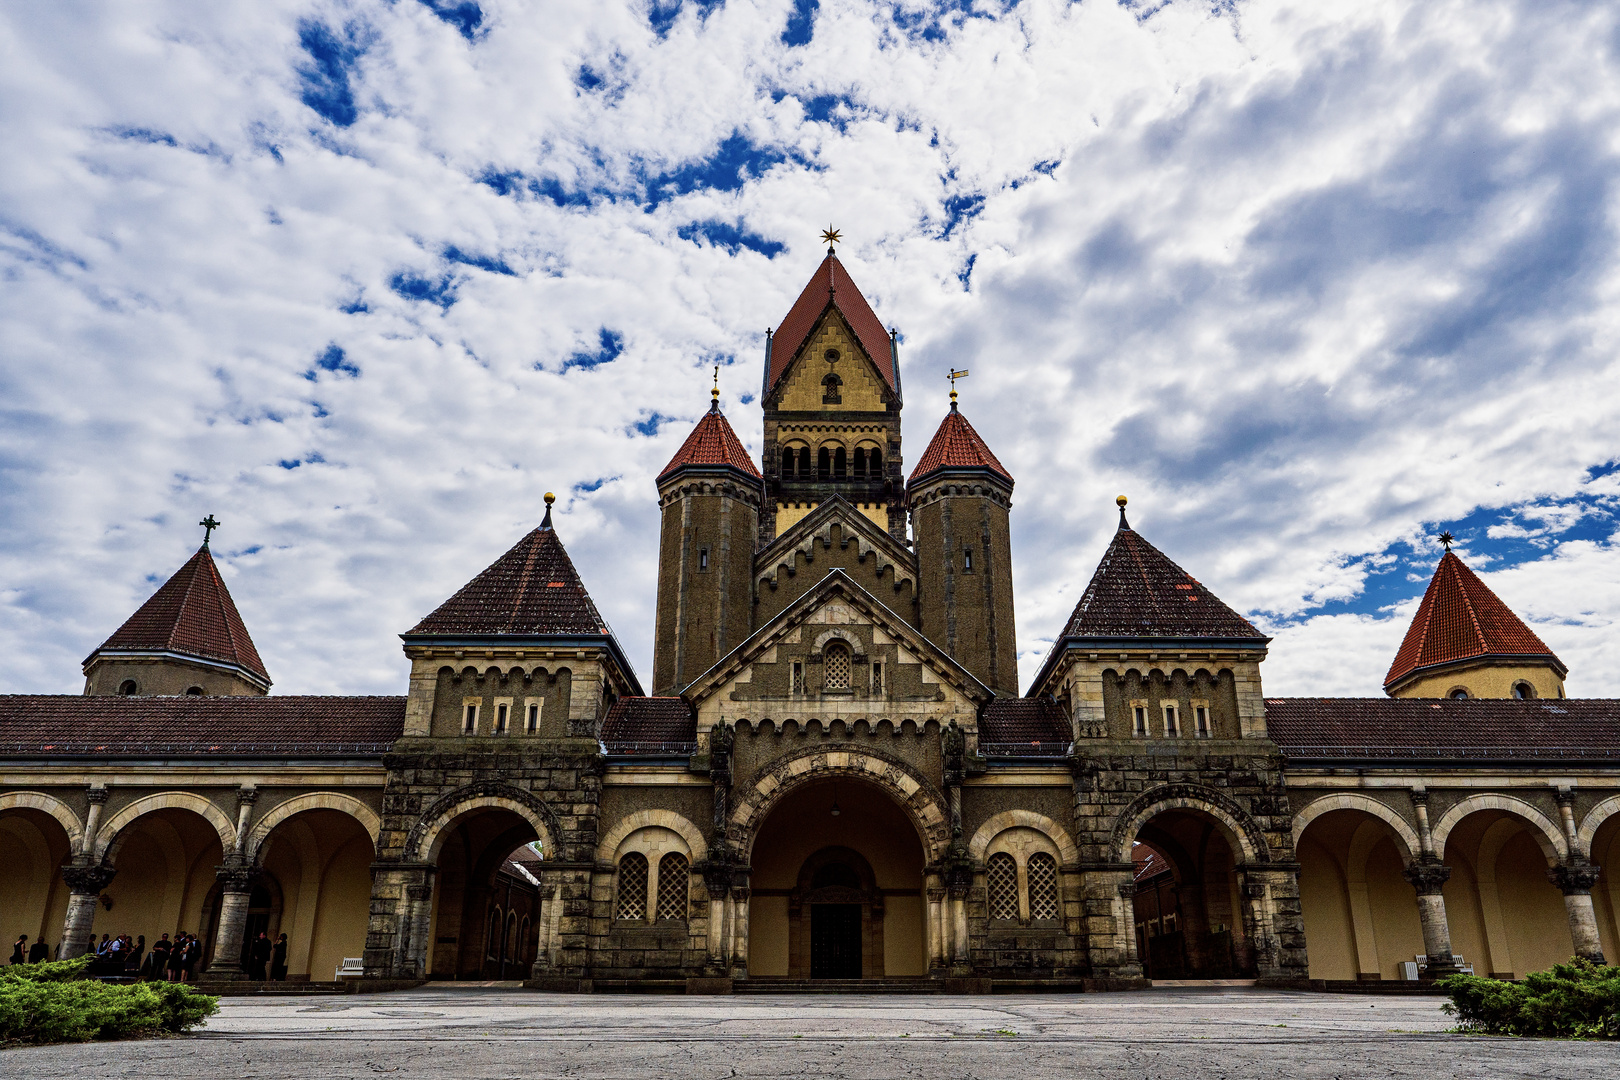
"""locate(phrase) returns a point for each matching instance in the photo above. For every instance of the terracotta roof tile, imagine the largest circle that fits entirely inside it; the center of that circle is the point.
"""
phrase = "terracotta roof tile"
(1482, 728)
(1137, 592)
(712, 443)
(957, 446)
(531, 590)
(1460, 618)
(1035, 726)
(205, 726)
(193, 614)
(830, 284)
(649, 725)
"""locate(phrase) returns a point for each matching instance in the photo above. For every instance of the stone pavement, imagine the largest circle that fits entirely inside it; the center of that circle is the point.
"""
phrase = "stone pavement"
(461, 1033)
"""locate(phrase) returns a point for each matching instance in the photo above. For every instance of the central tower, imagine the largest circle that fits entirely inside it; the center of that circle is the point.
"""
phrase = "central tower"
(832, 408)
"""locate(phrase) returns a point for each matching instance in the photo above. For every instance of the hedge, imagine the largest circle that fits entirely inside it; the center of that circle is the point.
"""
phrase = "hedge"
(57, 1002)
(1579, 999)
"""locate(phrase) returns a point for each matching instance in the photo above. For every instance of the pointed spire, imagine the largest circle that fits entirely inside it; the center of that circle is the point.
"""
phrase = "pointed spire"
(712, 444)
(191, 614)
(957, 447)
(830, 287)
(1461, 619)
(545, 523)
(1138, 593)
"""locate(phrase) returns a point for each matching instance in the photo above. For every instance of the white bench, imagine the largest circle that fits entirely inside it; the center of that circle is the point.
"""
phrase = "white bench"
(354, 967)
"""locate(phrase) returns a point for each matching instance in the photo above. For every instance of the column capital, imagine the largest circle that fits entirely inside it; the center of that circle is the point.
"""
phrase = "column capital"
(1420, 797)
(238, 877)
(1574, 880)
(97, 795)
(87, 880)
(248, 795)
(1428, 878)
(419, 893)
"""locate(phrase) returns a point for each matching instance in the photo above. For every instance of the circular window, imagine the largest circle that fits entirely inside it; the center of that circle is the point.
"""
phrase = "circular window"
(1458, 694)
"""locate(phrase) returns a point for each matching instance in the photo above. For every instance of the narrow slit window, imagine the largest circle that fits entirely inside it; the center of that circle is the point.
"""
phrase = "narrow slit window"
(1140, 715)
(1171, 725)
(798, 677)
(534, 718)
(1201, 719)
(469, 722)
(877, 678)
(967, 560)
(703, 559)
(501, 712)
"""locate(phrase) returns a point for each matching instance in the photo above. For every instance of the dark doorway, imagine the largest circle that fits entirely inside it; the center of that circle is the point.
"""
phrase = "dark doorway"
(835, 941)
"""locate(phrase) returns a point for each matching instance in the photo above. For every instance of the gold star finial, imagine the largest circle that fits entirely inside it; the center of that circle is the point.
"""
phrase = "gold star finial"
(832, 236)
(1447, 539)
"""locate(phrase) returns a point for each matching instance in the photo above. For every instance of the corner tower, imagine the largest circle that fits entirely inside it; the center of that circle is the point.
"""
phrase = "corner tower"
(188, 638)
(832, 408)
(1464, 642)
(709, 495)
(960, 496)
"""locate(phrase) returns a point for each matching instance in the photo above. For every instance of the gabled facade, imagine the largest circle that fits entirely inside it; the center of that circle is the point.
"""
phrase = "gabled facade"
(834, 777)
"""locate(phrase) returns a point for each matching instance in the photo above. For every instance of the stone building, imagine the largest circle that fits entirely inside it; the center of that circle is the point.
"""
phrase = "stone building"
(836, 776)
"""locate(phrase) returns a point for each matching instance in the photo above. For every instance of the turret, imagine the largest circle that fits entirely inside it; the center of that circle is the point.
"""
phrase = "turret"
(959, 497)
(188, 638)
(709, 496)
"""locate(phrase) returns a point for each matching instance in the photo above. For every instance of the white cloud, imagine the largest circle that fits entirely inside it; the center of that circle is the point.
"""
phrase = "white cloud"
(1302, 278)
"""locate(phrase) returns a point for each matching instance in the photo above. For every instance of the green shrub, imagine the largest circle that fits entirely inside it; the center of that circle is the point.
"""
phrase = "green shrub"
(1579, 999)
(48, 1003)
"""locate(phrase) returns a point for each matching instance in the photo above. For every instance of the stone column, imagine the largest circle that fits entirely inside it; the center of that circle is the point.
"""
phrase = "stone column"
(1127, 930)
(936, 923)
(245, 798)
(237, 880)
(739, 932)
(717, 880)
(1429, 879)
(1420, 807)
(92, 820)
(84, 891)
(418, 928)
(1575, 881)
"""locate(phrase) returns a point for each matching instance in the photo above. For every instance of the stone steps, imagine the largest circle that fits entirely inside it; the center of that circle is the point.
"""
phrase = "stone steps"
(836, 986)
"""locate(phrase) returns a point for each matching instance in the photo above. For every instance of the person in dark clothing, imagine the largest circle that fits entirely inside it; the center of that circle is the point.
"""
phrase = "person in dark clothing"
(132, 958)
(177, 957)
(258, 957)
(40, 953)
(19, 951)
(193, 953)
(278, 960)
(157, 965)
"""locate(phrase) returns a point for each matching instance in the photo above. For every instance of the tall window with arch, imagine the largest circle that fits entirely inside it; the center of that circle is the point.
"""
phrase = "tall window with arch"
(632, 901)
(672, 887)
(836, 661)
(1043, 891)
(1001, 874)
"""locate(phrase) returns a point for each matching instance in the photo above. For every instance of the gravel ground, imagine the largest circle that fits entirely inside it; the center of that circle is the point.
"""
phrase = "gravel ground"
(478, 1032)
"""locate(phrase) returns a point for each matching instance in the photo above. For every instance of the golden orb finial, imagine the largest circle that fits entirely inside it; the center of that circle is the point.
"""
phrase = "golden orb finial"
(550, 498)
(1122, 500)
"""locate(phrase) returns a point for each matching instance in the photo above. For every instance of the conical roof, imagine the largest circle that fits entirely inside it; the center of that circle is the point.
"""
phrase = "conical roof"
(957, 446)
(1139, 593)
(191, 614)
(712, 443)
(830, 286)
(1460, 618)
(531, 590)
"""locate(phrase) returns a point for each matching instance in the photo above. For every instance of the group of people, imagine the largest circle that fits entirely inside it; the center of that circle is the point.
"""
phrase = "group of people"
(171, 961)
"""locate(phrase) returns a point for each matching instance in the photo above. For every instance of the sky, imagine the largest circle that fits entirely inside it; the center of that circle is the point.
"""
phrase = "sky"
(1309, 282)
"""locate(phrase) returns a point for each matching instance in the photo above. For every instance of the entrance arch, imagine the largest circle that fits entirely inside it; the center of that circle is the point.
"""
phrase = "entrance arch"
(1505, 917)
(320, 856)
(35, 841)
(1360, 916)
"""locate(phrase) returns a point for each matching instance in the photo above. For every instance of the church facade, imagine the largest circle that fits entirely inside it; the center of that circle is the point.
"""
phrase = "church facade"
(834, 776)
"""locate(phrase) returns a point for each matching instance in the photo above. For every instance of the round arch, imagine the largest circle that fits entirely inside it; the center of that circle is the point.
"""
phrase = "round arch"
(1367, 805)
(46, 804)
(315, 800)
(1548, 835)
(1243, 834)
(1593, 821)
(920, 800)
(642, 819)
(1011, 819)
(431, 831)
(112, 834)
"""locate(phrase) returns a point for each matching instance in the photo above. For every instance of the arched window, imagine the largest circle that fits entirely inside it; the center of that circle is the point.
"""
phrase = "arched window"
(194, 691)
(1459, 694)
(874, 463)
(860, 462)
(824, 464)
(492, 940)
(840, 463)
(804, 462)
(1523, 691)
(1002, 873)
(836, 661)
(672, 887)
(523, 941)
(830, 384)
(127, 688)
(632, 906)
(789, 459)
(1043, 897)
(511, 952)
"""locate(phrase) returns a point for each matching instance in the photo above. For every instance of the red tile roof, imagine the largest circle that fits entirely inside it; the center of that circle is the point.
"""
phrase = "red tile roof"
(1137, 592)
(1460, 619)
(1471, 728)
(133, 726)
(648, 725)
(712, 443)
(193, 614)
(957, 446)
(531, 590)
(1015, 726)
(830, 285)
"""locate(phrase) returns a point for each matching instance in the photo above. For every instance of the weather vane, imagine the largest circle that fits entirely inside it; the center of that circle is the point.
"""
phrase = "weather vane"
(209, 525)
(831, 236)
(1447, 539)
(715, 393)
(954, 375)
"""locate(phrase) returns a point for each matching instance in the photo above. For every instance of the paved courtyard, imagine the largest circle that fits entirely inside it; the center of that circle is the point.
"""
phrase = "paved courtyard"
(462, 1032)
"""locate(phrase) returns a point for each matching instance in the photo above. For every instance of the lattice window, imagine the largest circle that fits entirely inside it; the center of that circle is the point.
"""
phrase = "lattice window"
(1043, 895)
(632, 888)
(672, 887)
(1003, 875)
(836, 660)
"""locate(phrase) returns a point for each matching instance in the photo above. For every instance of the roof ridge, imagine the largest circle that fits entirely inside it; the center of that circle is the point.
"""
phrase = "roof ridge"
(1468, 602)
(219, 598)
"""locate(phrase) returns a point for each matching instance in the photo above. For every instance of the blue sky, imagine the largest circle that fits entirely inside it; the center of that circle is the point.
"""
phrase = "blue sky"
(1310, 282)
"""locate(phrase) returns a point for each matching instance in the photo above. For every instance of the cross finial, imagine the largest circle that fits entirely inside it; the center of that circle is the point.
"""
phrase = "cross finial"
(832, 236)
(1447, 539)
(954, 375)
(209, 525)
